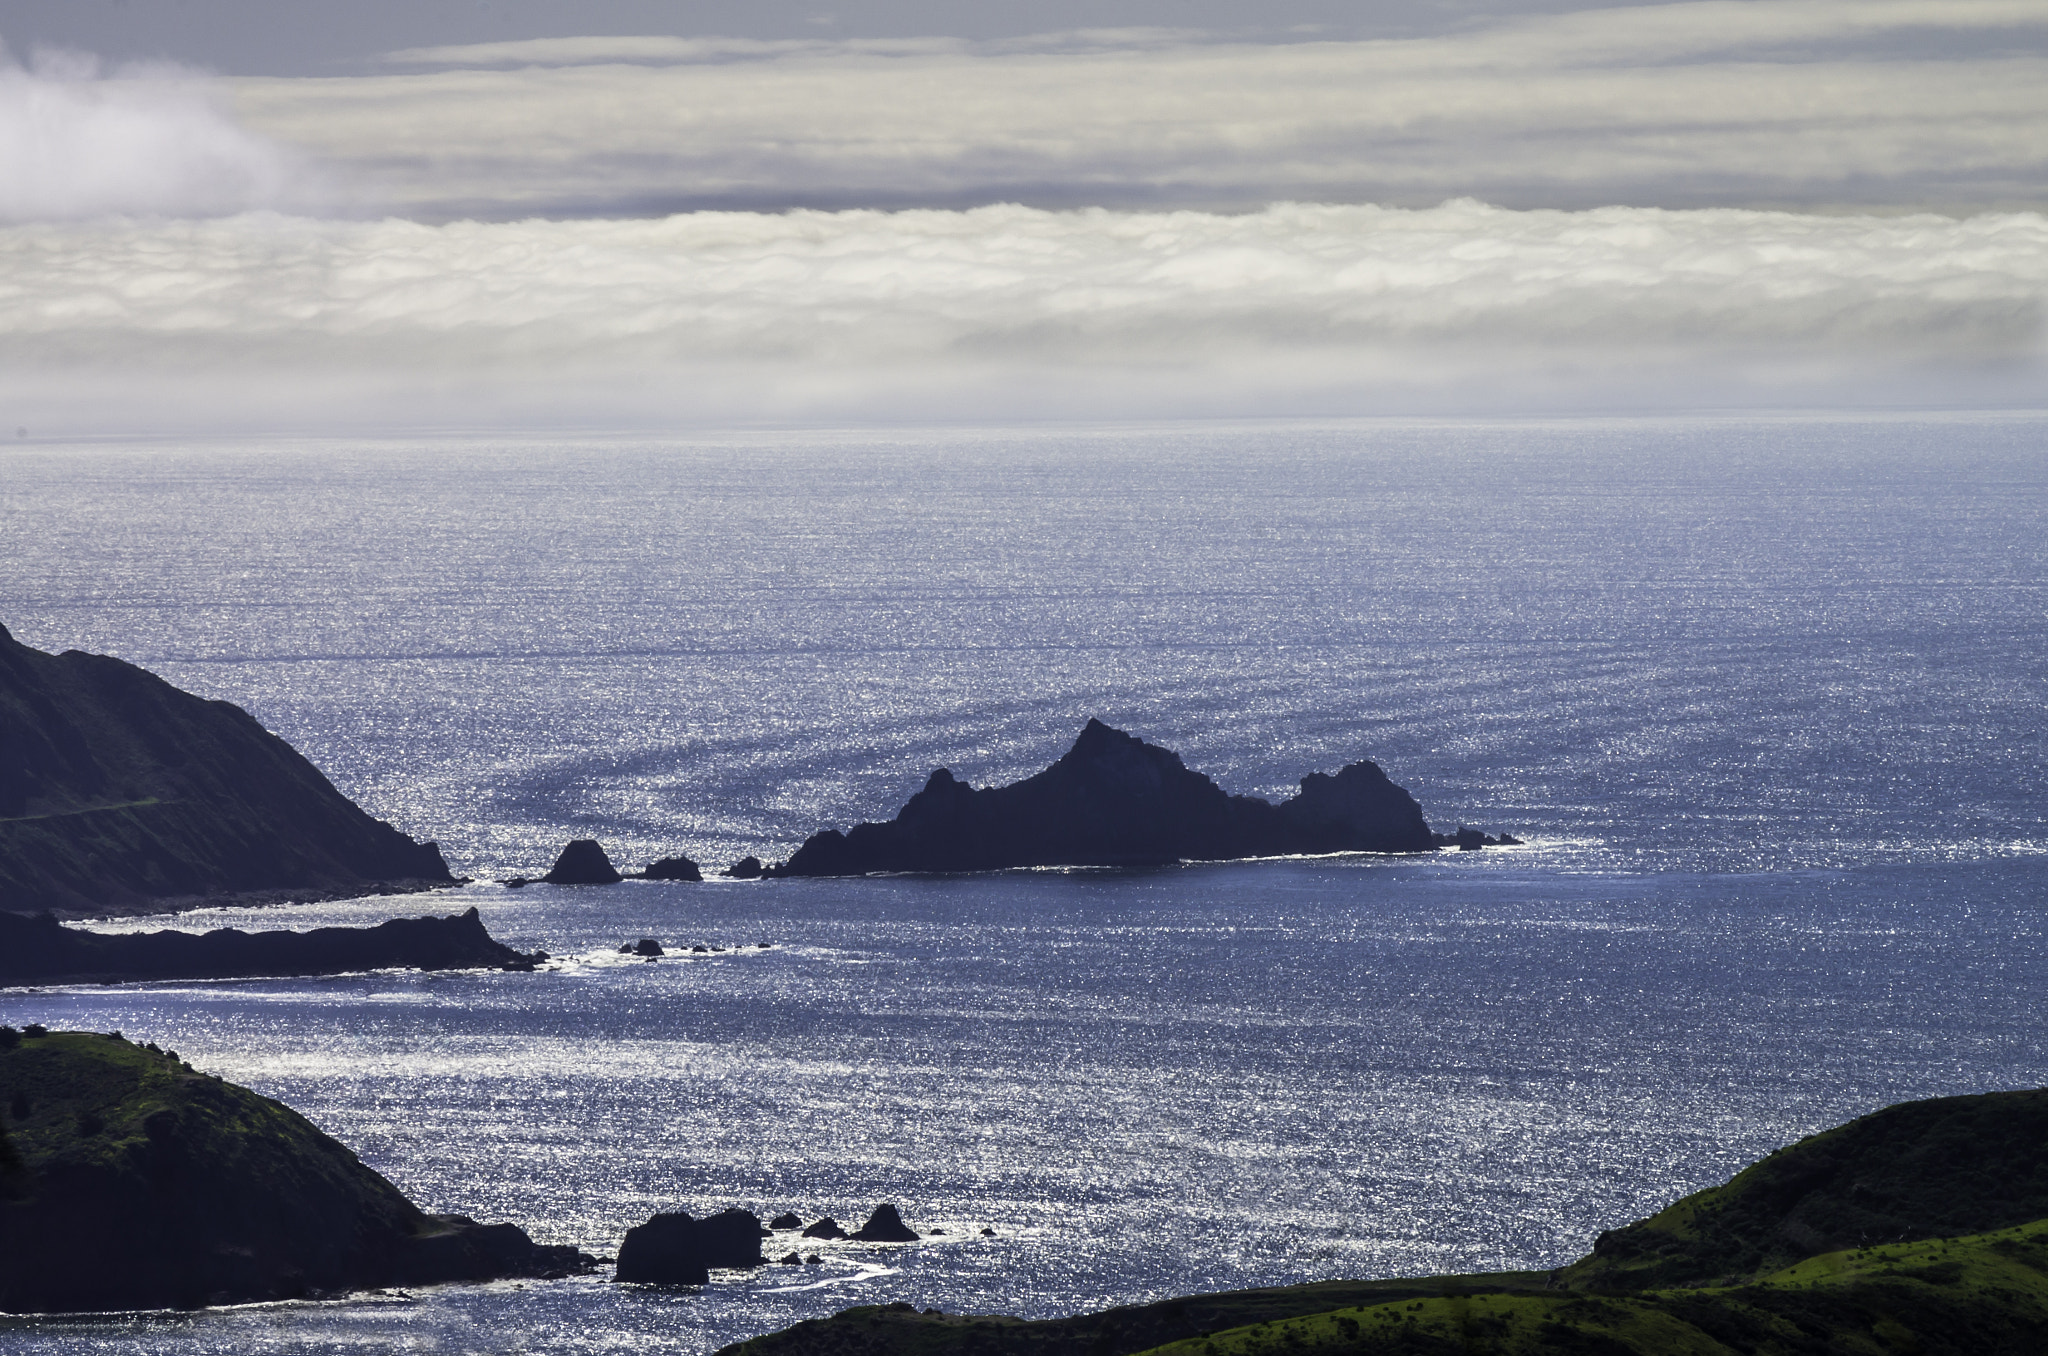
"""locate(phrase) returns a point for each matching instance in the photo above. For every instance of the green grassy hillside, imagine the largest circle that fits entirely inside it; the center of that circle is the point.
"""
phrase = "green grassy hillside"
(1951, 1165)
(1981, 1295)
(145, 1184)
(1921, 1228)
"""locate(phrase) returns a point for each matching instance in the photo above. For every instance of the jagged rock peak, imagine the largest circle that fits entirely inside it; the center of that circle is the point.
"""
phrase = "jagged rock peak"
(1114, 800)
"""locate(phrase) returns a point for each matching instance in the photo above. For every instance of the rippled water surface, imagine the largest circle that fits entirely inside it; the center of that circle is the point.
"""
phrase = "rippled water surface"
(1764, 697)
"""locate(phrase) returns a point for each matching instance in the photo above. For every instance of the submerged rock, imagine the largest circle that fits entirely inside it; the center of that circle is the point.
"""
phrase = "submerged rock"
(1114, 800)
(583, 862)
(674, 1249)
(191, 1190)
(672, 868)
(885, 1226)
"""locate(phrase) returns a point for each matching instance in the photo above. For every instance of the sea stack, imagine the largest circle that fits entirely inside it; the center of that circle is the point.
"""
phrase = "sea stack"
(1115, 800)
(583, 862)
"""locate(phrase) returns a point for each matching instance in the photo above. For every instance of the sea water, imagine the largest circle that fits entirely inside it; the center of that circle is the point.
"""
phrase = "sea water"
(1764, 696)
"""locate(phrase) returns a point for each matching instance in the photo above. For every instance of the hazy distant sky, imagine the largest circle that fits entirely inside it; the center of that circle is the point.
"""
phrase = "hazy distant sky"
(266, 37)
(519, 210)
(514, 107)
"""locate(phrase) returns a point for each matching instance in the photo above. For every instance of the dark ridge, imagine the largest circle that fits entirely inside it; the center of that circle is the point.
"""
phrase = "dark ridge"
(1965, 1176)
(118, 791)
(1933, 1169)
(144, 1184)
(41, 950)
(1114, 800)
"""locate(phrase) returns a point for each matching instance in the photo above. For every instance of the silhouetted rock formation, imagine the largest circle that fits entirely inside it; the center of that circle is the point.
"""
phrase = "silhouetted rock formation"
(673, 1249)
(583, 863)
(1114, 800)
(885, 1226)
(788, 1219)
(672, 868)
(746, 868)
(118, 790)
(142, 1184)
(41, 950)
(825, 1228)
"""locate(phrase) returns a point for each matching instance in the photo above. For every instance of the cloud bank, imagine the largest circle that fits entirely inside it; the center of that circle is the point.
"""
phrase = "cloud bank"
(78, 141)
(1010, 312)
(1898, 103)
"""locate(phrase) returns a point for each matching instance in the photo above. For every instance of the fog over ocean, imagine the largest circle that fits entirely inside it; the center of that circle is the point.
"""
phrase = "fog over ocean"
(1763, 695)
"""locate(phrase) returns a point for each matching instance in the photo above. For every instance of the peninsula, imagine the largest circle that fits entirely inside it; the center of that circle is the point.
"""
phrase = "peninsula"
(41, 950)
(119, 792)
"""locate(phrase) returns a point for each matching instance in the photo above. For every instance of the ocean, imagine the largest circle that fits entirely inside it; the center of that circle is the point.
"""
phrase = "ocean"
(1763, 695)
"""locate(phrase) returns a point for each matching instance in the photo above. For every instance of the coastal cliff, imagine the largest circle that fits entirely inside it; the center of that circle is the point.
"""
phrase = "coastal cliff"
(137, 1182)
(1115, 800)
(118, 790)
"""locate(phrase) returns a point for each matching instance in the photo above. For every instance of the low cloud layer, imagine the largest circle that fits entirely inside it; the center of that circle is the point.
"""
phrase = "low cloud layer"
(1009, 312)
(1895, 103)
(79, 141)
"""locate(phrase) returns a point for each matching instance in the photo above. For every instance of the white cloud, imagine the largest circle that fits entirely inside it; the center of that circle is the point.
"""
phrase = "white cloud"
(1744, 102)
(76, 141)
(1009, 312)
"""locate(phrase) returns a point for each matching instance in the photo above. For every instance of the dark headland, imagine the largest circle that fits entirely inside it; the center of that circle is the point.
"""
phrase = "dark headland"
(1921, 1228)
(41, 950)
(129, 1181)
(1115, 800)
(119, 791)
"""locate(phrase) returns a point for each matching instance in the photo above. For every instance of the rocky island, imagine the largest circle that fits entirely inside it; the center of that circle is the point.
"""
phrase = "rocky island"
(1115, 800)
(130, 1181)
(40, 950)
(1919, 1228)
(119, 791)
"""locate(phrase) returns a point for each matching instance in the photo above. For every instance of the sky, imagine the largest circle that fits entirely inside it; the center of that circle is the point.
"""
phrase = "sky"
(224, 213)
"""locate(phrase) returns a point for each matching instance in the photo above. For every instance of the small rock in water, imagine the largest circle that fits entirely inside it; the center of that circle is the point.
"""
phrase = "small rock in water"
(647, 946)
(746, 868)
(813, 1260)
(825, 1228)
(885, 1226)
(583, 862)
(988, 1233)
(788, 1219)
(672, 868)
(792, 1260)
